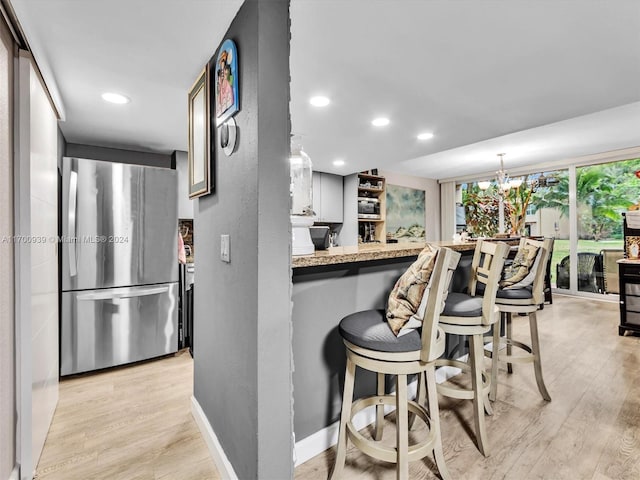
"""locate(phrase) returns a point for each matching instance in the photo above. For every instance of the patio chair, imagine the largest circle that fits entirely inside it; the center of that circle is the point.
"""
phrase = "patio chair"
(590, 278)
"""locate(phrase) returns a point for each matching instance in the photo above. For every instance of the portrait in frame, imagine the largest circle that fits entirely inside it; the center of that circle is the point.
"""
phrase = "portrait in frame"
(227, 87)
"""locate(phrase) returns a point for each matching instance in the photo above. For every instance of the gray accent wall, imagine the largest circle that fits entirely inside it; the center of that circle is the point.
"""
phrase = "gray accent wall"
(242, 322)
(322, 296)
(118, 155)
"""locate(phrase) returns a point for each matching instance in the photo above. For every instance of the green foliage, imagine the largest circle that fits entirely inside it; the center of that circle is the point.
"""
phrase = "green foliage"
(481, 211)
(517, 200)
(603, 192)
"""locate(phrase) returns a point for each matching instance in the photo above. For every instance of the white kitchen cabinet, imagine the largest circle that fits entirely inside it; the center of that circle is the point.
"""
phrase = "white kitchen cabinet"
(315, 184)
(327, 197)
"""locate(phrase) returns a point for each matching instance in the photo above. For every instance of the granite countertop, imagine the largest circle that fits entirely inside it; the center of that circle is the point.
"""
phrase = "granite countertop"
(629, 260)
(365, 253)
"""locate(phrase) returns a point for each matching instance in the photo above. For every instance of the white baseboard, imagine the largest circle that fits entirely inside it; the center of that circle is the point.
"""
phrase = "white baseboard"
(15, 474)
(318, 442)
(215, 449)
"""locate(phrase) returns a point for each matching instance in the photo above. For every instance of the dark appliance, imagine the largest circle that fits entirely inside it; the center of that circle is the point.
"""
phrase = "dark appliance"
(185, 315)
(320, 237)
(629, 277)
(368, 208)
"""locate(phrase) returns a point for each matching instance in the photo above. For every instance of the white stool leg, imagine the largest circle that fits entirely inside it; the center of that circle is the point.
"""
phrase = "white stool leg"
(476, 355)
(377, 434)
(420, 396)
(495, 349)
(345, 416)
(402, 428)
(434, 425)
(535, 347)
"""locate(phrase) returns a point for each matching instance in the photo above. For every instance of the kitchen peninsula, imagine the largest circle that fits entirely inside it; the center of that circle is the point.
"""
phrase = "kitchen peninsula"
(328, 286)
(371, 252)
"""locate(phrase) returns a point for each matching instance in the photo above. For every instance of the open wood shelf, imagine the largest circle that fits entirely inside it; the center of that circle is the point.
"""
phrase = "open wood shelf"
(376, 194)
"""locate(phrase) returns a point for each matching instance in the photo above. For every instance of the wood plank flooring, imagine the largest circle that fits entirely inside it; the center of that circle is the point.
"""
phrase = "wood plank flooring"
(590, 430)
(128, 423)
(134, 423)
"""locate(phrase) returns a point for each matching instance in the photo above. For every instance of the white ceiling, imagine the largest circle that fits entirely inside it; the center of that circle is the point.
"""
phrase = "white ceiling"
(541, 80)
(149, 50)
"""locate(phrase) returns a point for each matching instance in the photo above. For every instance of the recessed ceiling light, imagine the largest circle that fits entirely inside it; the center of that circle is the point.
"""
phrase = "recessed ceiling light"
(115, 98)
(425, 136)
(380, 122)
(319, 101)
(338, 162)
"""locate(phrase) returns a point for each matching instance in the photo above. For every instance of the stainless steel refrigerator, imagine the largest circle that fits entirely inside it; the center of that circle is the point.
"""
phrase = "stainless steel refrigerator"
(118, 264)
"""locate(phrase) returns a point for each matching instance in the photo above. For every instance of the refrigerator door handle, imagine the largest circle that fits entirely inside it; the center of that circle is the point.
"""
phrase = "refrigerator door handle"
(123, 293)
(71, 241)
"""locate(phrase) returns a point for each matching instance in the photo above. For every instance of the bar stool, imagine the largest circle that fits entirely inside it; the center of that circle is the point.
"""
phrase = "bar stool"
(371, 345)
(474, 315)
(522, 299)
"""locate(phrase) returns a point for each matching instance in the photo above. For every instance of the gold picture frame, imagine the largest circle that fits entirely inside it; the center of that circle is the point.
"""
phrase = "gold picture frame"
(632, 247)
(200, 180)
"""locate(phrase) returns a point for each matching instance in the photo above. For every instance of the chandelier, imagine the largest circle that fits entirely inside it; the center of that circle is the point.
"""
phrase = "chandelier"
(502, 178)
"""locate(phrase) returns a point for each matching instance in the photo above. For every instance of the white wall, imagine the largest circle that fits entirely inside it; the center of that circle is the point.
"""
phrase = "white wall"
(431, 199)
(36, 264)
(185, 206)
(7, 353)
(44, 263)
(349, 231)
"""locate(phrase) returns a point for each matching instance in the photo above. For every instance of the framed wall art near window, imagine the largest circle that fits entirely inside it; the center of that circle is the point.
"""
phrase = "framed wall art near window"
(200, 181)
(226, 82)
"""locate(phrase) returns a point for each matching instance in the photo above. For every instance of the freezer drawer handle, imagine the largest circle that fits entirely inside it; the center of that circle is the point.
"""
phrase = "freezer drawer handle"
(71, 242)
(128, 293)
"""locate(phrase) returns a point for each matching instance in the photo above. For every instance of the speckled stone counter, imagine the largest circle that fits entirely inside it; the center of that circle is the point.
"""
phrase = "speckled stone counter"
(366, 253)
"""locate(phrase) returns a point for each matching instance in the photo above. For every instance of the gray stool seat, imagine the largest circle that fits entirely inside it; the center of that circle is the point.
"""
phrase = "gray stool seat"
(462, 305)
(369, 329)
(510, 293)
(515, 293)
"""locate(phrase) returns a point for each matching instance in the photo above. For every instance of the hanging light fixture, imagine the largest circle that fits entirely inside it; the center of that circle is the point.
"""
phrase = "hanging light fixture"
(502, 179)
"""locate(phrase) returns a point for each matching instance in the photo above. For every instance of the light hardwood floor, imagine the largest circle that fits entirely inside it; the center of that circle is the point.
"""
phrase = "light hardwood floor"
(128, 423)
(590, 429)
(134, 423)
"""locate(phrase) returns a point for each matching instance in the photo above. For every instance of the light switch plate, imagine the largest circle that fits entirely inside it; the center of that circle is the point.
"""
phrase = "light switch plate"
(224, 248)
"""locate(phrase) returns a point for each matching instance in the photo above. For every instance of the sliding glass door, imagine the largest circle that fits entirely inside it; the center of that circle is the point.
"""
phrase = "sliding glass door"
(582, 210)
(603, 192)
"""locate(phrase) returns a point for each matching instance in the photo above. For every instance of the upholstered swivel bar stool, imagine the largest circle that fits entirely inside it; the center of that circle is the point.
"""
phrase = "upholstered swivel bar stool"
(524, 298)
(473, 315)
(373, 346)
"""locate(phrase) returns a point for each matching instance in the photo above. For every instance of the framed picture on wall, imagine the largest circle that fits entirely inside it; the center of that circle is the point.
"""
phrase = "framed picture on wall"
(226, 81)
(199, 138)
